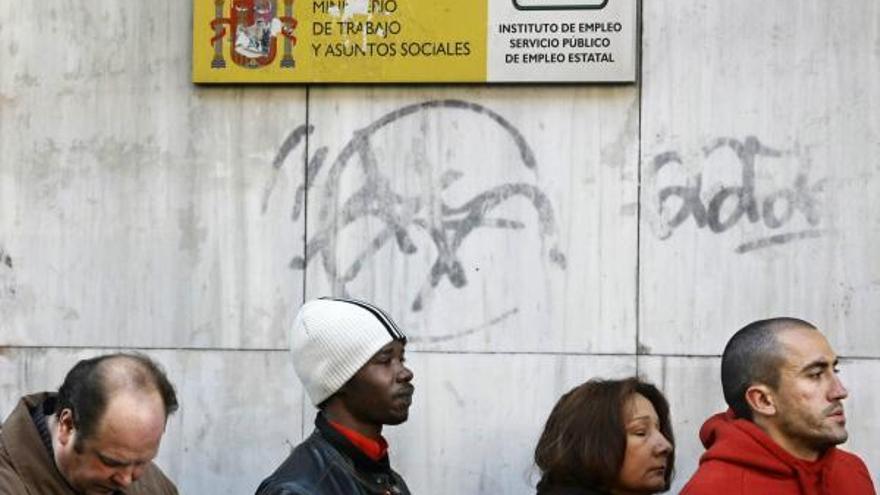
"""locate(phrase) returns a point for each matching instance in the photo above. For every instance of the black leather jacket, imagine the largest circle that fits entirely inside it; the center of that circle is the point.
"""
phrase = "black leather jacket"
(326, 463)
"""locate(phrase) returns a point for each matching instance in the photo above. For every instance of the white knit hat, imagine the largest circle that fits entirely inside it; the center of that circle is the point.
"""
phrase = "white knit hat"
(333, 338)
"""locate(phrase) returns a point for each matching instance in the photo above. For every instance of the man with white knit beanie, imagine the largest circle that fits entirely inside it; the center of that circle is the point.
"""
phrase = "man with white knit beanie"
(349, 356)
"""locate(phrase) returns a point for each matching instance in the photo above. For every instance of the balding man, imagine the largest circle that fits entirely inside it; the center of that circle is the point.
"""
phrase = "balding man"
(786, 416)
(97, 435)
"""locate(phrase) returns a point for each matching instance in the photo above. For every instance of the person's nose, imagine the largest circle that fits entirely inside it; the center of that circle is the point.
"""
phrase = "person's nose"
(838, 391)
(138, 471)
(662, 446)
(404, 374)
(124, 476)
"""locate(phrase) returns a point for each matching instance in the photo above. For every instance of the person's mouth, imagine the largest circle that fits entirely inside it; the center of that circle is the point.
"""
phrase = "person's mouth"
(837, 414)
(405, 394)
(658, 470)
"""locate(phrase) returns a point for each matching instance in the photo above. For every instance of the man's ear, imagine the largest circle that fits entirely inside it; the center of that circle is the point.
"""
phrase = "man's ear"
(761, 399)
(65, 426)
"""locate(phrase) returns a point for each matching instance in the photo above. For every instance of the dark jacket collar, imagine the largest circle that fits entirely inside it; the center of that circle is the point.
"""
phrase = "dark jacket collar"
(40, 415)
(338, 440)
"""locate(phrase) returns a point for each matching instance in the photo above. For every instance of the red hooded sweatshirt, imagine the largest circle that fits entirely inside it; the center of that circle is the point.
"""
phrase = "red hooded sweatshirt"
(741, 459)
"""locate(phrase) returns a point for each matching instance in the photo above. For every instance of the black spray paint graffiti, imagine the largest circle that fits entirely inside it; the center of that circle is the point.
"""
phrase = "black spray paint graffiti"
(775, 210)
(7, 284)
(400, 213)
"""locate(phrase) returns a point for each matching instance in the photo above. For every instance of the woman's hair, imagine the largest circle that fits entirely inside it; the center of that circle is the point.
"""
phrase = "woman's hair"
(584, 440)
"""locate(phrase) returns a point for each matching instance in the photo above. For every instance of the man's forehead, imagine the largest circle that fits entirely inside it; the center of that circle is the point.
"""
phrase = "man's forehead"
(802, 346)
(392, 346)
(123, 448)
(131, 419)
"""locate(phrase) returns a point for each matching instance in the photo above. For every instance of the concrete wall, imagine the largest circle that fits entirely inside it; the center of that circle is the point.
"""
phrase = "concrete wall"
(527, 238)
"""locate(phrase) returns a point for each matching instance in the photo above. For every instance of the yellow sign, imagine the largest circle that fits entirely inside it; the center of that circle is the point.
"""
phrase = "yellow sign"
(318, 41)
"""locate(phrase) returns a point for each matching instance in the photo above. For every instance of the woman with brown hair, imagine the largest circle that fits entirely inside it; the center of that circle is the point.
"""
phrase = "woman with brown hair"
(607, 437)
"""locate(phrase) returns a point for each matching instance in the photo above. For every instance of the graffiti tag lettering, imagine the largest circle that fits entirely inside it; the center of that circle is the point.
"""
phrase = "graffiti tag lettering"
(400, 213)
(731, 204)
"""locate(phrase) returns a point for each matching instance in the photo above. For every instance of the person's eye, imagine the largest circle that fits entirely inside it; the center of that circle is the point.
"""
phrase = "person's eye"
(110, 462)
(640, 433)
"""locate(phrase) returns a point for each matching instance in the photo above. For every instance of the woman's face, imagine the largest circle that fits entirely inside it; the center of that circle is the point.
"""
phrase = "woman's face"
(647, 450)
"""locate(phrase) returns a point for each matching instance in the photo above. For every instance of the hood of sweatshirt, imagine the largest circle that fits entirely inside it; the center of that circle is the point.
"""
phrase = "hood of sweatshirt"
(743, 443)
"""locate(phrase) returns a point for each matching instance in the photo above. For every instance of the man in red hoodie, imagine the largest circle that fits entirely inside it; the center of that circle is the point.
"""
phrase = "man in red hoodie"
(786, 415)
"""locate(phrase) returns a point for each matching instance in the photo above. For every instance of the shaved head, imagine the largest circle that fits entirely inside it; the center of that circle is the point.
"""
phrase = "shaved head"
(754, 355)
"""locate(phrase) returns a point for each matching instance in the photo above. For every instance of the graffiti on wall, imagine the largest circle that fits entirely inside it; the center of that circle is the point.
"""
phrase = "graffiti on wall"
(721, 207)
(402, 214)
(7, 282)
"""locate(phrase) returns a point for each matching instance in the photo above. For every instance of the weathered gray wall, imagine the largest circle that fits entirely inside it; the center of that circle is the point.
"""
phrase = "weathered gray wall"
(518, 233)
